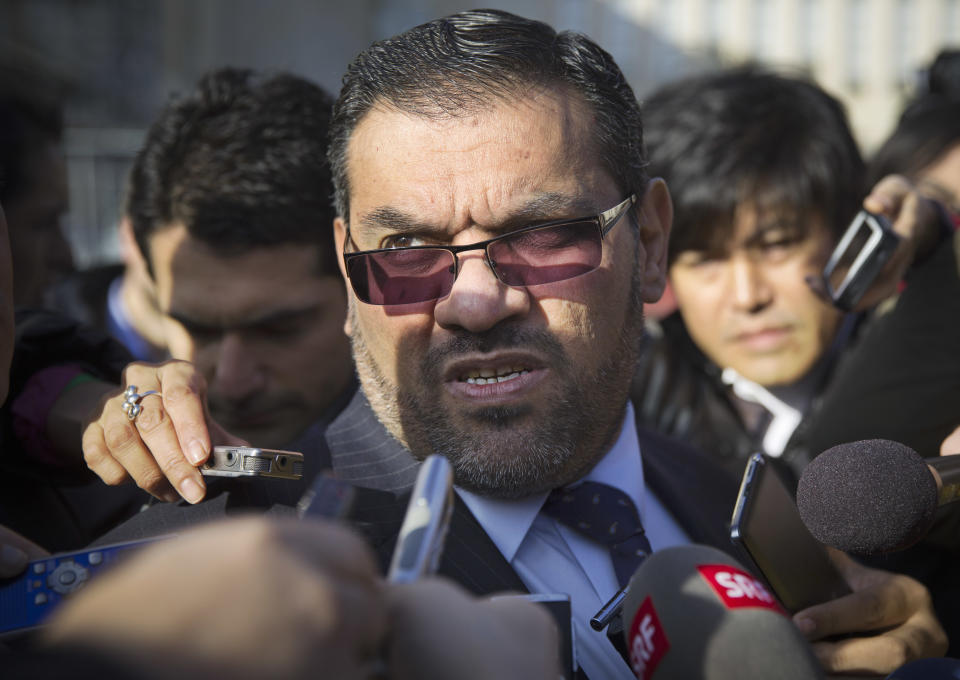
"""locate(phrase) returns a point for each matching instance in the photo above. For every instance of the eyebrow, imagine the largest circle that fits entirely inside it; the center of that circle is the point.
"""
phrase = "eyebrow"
(791, 225)
(268, 319)
(544, 207)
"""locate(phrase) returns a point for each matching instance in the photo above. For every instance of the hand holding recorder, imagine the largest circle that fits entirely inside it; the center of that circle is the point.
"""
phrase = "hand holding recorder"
(162, 445)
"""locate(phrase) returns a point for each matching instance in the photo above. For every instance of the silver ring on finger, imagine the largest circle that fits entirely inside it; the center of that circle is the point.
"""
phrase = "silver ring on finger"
(131, 401)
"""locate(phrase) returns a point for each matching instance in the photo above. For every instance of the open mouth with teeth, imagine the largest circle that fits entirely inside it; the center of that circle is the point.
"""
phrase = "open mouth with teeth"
(490, 377)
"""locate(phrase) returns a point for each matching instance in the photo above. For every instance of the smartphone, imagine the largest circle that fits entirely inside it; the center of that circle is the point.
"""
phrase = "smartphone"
(249, 461)
(767, 528)
(27, 600)
(425, 523)
(859, 256)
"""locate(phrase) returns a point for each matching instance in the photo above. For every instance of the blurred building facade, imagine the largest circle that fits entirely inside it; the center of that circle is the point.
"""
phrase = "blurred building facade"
(116, 61)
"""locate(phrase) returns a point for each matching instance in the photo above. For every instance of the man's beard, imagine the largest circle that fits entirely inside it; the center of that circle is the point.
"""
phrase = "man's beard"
(501, 451)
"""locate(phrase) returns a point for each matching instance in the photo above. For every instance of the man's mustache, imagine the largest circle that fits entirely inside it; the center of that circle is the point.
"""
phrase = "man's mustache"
(496, 338)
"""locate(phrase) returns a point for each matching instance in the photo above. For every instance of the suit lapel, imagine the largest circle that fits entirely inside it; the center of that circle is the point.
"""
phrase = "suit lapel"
(364, 454)
(472, 559)
(699, 493)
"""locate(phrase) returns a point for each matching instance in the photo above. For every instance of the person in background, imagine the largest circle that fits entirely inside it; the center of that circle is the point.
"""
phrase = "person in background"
(119, 299)
(229, 206)
(51, 370)
(765, 177)
(925, 147)
(33, 191)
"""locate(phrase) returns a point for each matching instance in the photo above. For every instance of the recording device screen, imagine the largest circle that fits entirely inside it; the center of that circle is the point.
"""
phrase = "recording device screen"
(767, 526)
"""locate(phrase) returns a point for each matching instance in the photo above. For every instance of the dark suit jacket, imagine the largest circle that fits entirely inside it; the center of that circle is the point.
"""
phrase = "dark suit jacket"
(698, 493)
(360, 451)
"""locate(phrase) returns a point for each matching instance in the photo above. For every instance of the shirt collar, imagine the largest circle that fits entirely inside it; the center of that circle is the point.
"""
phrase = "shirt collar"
(508, 521)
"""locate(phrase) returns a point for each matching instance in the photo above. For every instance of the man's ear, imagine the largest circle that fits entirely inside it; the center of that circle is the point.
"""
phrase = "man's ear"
(130, 251)
(655, 215)
(339, 242)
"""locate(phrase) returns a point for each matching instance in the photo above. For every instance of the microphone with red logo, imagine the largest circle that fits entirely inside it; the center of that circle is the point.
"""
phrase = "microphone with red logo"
(694, 612)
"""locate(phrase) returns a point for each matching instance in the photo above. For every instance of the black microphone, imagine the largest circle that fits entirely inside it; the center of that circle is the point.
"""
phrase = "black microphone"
(874, 496)
(694, 612)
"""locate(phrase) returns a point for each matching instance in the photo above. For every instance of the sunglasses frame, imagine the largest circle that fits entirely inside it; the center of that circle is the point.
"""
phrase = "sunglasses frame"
(604, 221)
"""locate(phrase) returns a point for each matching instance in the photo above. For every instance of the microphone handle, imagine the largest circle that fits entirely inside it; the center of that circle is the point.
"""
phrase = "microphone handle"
(946, 470)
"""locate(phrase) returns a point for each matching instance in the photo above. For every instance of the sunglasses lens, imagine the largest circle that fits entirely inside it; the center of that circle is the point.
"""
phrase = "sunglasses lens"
(401, 277)
(548, 255)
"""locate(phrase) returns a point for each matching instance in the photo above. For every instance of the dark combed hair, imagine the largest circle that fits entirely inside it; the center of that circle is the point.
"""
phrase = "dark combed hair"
(459, 64)
(748, 136)
(929, 127)
(241, 162)
(26, 122)
(943, 76)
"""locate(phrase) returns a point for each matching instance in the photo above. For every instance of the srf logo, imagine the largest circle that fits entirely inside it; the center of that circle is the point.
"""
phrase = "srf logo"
(737, 589)
(647, 641)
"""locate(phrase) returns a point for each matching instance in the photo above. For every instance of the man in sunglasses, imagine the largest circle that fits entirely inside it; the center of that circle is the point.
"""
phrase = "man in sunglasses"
(500, 237)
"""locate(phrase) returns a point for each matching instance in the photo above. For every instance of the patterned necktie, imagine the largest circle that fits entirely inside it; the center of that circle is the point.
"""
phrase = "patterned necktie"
(606, 515)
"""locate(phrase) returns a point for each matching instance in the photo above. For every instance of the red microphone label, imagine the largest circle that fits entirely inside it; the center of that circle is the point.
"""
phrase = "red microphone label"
(738, 589)
(647, 641)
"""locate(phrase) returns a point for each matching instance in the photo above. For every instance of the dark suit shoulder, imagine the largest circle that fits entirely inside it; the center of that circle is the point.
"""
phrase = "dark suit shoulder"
(695, 488)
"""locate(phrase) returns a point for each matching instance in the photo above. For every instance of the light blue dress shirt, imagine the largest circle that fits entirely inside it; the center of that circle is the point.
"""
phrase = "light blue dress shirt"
(549, 557)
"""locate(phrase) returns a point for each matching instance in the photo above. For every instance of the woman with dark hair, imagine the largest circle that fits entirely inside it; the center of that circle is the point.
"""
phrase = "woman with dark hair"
(925, 147)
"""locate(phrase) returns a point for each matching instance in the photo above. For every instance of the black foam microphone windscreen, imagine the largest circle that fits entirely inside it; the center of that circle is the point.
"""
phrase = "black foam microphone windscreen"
(693, 612)
(868, 497)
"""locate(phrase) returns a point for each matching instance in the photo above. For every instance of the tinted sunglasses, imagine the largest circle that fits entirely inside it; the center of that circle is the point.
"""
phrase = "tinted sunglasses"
(544, 253)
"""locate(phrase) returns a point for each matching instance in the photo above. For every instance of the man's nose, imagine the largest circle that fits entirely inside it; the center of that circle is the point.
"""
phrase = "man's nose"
(749, 288)
(237, 374)
(478, 300)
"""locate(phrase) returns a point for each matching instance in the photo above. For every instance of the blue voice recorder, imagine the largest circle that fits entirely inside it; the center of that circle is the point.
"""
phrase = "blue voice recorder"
(27, 600)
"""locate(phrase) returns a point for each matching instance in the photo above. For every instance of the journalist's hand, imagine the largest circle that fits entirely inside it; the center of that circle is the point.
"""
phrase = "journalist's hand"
(890, 614)
(912, 217)
(240, 599)
(15, 552)
(161, 448)
(438, 631)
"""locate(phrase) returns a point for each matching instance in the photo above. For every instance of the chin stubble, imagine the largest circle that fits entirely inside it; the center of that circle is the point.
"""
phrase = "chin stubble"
(506, 452)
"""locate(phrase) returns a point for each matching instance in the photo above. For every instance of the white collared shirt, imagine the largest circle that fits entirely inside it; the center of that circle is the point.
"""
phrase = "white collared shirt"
(550, 557)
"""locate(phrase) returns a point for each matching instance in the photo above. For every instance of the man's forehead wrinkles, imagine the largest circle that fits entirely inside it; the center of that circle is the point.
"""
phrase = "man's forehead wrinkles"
(543, 206)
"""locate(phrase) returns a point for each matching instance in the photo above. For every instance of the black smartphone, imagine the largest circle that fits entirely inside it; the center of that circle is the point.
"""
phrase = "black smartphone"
(767, 528)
